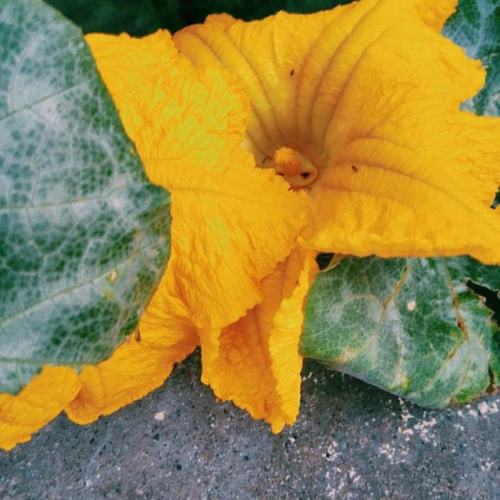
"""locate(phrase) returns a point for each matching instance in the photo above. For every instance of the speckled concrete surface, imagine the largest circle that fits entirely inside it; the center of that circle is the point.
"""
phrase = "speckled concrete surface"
(351, 441)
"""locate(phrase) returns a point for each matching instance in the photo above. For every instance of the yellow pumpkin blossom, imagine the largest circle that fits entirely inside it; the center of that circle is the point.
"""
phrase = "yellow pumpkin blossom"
(359, 107)
(232, 223)
(404, 180)
(231, 226)
(357, 111)
(364, 102)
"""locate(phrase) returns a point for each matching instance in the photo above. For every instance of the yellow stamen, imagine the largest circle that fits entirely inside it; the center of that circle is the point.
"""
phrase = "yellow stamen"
(298, 170)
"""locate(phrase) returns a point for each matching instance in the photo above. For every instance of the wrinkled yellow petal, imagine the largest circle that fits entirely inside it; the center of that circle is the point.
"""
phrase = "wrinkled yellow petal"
(416, 176)
(165, 336)
(293, 67)
(255, 362)
(232, 222)
(36, 405)
(435, 13)
(370, 93)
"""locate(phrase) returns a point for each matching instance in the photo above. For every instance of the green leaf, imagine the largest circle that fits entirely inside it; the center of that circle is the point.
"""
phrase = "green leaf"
(195, 11)
(409, 326)
(115, 16)
(146, 16)
(476, 27)
(84, 237)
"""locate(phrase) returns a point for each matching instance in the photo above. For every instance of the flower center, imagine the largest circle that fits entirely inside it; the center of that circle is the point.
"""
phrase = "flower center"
(298, 170)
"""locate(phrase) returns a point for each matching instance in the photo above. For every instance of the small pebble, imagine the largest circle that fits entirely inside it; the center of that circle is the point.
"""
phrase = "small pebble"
(160, 416)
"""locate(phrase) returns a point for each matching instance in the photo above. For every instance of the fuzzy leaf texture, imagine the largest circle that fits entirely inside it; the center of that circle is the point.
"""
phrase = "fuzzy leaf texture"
(412, 326)
(409, 326)
(476, 27)
(84, 236)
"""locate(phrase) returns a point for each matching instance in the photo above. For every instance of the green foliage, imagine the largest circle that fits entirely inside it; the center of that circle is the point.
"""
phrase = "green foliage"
(476, 27)
(139, 17)
(409, 326)
(195, 11)
(84, 236)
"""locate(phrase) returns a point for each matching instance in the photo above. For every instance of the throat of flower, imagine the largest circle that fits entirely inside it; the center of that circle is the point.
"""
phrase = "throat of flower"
(298, 170)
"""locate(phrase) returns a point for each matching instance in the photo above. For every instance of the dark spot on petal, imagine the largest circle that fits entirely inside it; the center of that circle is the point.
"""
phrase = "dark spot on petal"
(354, 168)
(292, 72)
(137, 335)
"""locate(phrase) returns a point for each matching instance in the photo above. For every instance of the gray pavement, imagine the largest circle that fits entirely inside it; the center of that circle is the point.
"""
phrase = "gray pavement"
(351, 441)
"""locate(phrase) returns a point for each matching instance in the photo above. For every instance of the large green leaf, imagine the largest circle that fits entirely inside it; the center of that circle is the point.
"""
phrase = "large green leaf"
(84, 237)
(476, 27)
(410, 326)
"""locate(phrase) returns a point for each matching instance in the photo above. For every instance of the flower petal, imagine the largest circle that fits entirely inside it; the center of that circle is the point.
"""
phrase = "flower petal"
(255, 362)
(415, 176)
(370, 92)
(36, 405)
(140, 365)
(435, 14)
(232, 223)
(293, 66)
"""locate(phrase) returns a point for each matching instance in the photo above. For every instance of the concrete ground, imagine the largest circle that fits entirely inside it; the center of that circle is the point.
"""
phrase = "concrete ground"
(351, 441)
